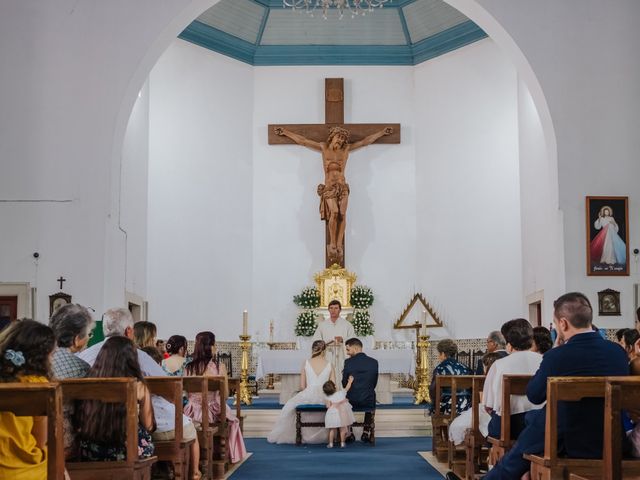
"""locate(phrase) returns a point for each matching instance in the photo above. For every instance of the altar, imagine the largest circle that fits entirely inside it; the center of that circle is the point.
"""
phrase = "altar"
(288, 365)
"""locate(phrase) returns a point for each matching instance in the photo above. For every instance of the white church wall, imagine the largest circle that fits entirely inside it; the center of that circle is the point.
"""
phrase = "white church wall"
(589, 73)
(134, 182)
(199, 228)
(288, 234)
(467, 181)
(542, 242)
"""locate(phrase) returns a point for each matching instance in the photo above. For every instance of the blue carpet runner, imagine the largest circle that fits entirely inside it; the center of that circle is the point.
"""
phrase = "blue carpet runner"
(390, 458)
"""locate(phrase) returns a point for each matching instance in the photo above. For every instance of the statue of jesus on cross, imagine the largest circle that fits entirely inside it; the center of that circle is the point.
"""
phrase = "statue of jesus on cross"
(334, 192)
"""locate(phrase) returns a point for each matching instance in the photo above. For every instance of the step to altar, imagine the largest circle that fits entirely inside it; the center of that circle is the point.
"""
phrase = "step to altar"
(390, 422)
(397, 392)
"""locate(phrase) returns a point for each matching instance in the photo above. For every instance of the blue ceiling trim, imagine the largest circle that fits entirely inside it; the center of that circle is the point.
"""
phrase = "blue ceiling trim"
(265, 55)
(332, 55)
(218, 41)
(447, 41)
(405, 28)
(278, 3)
(263, 25)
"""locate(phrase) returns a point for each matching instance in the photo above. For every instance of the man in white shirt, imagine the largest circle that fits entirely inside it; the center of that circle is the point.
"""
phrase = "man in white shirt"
(334, 332)
(119, 322)
(518, 334)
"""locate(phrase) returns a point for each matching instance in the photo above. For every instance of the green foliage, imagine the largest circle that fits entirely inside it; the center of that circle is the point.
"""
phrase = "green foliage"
(362, 323)
(306, 323)
(308, 298)
(361, 297)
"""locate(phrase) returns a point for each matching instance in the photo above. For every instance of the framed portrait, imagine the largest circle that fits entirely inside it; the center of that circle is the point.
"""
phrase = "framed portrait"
(609, 302)
(57, 300)
(607, 235)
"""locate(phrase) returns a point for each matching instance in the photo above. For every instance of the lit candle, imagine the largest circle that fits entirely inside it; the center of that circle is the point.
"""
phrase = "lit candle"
(245, 322)
(424, 323)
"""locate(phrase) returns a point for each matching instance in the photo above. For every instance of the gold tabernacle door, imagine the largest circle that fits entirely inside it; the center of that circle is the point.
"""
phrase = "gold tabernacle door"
(334, 283)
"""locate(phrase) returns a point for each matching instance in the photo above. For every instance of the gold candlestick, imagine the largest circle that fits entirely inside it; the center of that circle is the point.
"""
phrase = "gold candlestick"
(421, 386)
(245, 394)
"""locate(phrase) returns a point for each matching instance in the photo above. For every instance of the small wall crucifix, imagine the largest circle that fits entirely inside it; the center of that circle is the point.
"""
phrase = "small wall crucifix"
(335, 140)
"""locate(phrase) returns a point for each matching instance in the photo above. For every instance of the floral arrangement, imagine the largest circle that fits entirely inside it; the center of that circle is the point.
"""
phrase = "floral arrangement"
(306, 323)
(362, 323)
(308, 298)
(361, 297)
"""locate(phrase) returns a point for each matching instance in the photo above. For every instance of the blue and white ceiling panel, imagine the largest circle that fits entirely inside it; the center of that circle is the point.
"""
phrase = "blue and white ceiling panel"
(262, 32)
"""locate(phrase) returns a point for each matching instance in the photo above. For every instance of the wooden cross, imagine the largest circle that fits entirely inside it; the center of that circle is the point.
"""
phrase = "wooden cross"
(61, 280)
(334, 117)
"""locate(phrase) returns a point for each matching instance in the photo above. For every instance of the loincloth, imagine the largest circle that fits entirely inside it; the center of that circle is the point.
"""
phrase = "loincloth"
(337, 192)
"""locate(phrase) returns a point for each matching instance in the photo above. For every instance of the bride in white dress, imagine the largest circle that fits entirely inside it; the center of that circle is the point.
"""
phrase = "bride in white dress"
(315, 372)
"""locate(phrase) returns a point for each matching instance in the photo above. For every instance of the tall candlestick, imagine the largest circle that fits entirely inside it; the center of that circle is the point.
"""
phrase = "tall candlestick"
(424, 323)
(245, 322)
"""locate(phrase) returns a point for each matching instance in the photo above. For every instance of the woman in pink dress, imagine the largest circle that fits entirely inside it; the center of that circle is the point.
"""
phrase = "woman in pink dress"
(204, 363)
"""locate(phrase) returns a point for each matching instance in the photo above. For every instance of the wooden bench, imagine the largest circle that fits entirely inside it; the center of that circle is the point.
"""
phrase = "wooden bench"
(36, 400)
(456, 454)
(176, 451)
(440, 421)
(319, 408)
(549, 465)
(110, 390)
(511, 385)
(622, 393)
(234, 391)
(476, 453)
(219, 385)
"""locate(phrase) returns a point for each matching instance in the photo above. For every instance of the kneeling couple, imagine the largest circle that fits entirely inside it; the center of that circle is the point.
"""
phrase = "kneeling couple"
(315, 372)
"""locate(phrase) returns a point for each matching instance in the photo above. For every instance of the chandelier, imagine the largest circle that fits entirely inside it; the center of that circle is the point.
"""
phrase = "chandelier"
(356, 7)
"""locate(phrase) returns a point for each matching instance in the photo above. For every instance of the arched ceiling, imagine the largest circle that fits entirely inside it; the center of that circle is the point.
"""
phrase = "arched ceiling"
(262, 32)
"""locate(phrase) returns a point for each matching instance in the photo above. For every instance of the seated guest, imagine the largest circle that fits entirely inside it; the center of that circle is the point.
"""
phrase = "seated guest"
(101, 426)
(176, 347)
(72, 325)
(495, 343)
(160, 345)
(154, 353)
(521, 360)
(362, 394)
(542, 341)
(580, 424)
(458, 428)
(205, 363)
(118, 322)
(619, 335)
(144, 334)
(25, 350)
(629, 339)
(447, 350)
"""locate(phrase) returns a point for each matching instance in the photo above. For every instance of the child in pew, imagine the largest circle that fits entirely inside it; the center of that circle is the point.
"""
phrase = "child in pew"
(101, 426)
(458, 428)
(25, 357)
(339, 412)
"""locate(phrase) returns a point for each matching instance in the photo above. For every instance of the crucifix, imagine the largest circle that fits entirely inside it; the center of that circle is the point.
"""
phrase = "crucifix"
(61, 280)
(335, 140)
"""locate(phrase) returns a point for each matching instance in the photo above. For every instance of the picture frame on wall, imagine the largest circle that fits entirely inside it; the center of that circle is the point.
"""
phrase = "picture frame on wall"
(57, 300)
(609, 302)
(607, 221)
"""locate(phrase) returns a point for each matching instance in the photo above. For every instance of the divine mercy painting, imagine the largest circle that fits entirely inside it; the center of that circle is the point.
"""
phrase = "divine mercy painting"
(607, 236)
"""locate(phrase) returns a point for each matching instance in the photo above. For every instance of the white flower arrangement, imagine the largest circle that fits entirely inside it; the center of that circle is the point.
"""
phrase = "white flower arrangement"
(361, 297)
(306, 323)
(309, 298)
(362, 323)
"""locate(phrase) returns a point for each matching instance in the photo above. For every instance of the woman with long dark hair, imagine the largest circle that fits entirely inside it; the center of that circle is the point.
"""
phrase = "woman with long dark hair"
(176, 347)
(101, 426)
(205, 362)
(25, 352)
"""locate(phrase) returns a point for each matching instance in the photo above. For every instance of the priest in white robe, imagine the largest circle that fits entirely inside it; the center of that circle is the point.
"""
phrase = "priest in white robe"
(334, 332)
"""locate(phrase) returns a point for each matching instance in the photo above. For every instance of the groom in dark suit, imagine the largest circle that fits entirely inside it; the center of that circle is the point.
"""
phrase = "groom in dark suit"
(362, 394)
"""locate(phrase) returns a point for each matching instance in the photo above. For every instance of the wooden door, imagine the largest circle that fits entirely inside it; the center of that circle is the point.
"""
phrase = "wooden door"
(8, 309)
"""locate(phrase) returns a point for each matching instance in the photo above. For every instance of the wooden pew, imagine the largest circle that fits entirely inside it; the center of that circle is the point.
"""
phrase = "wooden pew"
(456, 455)
(110, 390)
(234, 390)
(549, 465)
(440, 421)
(220, 462)
(35, 400)
(476, 454)
(177, 450)
(622, 393)
(511, 385)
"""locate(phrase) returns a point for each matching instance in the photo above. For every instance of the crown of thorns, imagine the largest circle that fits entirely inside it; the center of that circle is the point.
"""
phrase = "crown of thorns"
(333, 131)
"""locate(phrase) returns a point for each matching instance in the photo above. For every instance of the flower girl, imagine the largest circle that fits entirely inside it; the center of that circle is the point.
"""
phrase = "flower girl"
(339, 413)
